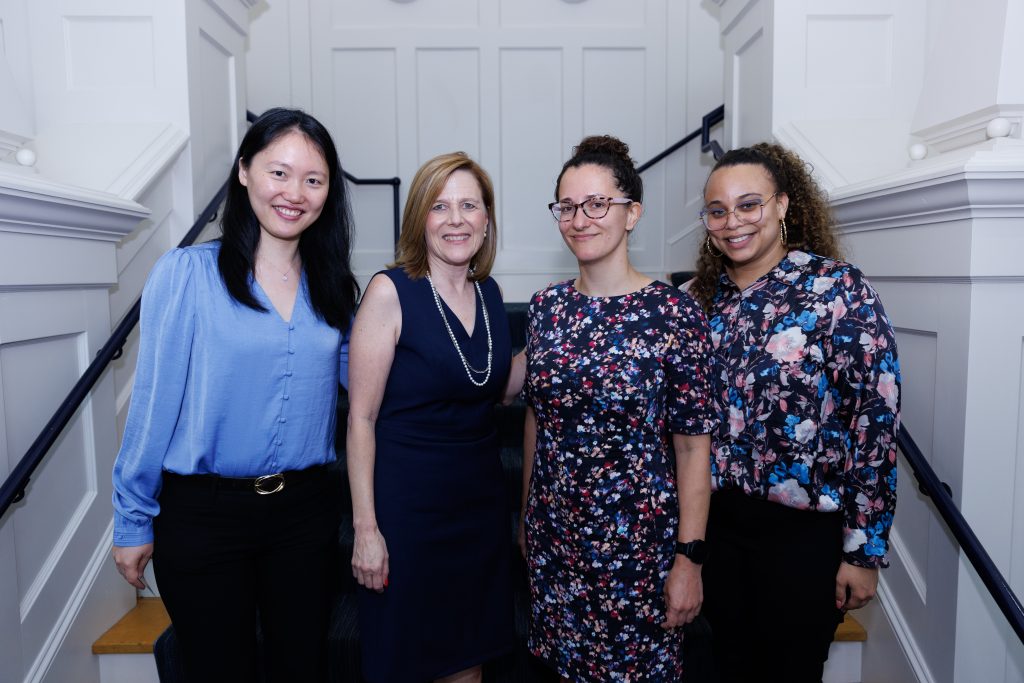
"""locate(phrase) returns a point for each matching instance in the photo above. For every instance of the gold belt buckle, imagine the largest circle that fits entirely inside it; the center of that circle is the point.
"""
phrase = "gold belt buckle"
(269, 483)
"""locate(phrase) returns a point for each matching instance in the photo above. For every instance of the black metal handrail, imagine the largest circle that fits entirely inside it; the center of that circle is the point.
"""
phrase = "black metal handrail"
(712, 118)
(930, 485)
(13, 488)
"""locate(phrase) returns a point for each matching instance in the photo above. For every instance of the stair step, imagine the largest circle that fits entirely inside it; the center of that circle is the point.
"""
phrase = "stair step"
(136, 631)
(850, 631)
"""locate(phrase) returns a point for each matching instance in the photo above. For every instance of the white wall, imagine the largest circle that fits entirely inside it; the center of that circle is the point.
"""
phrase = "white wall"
(514, 83)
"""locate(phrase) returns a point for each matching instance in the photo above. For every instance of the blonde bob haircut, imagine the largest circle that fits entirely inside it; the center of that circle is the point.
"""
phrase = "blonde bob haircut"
(423, 192)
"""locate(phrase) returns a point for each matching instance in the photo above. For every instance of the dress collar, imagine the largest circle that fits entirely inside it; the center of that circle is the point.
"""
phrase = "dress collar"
(787, 271)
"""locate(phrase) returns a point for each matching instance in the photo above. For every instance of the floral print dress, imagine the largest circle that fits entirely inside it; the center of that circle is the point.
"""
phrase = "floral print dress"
(809, 392)
(609, 380)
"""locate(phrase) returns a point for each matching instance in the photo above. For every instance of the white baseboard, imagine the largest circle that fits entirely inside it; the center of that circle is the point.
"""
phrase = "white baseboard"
(37, 672)
(128, 669)
(844, 663)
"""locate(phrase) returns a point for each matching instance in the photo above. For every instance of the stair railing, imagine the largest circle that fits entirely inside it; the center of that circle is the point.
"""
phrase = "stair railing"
(712, 118)
(941, 494)
(14, 487)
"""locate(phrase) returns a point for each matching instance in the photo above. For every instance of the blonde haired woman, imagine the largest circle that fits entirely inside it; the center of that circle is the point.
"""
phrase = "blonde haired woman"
(430, 358)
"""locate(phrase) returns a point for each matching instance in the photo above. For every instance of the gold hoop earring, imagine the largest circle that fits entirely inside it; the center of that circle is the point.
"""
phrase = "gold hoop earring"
(711, 248)
(783, 233)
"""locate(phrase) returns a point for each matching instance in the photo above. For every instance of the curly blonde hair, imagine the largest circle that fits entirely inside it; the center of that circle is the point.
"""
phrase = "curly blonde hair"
(810, 224)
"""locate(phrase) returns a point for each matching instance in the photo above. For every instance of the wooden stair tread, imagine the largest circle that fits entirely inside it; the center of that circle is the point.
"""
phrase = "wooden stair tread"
(850, 631)
(136, 631)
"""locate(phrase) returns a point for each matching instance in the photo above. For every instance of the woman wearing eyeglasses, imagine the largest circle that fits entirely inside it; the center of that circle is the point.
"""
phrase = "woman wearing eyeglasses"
(618, 377)
(804, 461)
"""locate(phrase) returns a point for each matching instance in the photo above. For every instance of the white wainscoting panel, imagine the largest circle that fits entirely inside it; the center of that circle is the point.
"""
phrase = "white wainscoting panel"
(216, 82)
(531, 85)
(447, 102)
(514, 84)
(832, 39)
(572, 14)
(404, 14)
(127, 60)
(360, 105)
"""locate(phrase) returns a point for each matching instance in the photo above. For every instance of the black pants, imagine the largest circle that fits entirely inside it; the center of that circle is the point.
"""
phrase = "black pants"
(769, 589)
(224, 558)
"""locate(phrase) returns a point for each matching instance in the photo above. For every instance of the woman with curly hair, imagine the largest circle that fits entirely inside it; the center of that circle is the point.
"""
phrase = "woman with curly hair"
(804, 459)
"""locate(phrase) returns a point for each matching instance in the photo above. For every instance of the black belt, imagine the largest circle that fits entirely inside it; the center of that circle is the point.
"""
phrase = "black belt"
(264, 486)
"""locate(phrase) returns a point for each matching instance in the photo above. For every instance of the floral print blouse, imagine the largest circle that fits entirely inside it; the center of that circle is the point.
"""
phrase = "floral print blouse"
(809, 395)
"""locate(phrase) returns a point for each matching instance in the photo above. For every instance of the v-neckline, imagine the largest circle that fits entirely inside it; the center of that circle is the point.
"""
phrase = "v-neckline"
(478, 302)
(268, 301)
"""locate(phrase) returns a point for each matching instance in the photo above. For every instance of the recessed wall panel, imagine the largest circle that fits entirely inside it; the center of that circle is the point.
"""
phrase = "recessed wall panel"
(532, 149)
(573, 13)
(918, 367)
(363, 116)
(36, 375)
(404, 13)
(109, 52)
(216, 124)
(447, 102)
(612, 79)
(751, 97)
(849, 51)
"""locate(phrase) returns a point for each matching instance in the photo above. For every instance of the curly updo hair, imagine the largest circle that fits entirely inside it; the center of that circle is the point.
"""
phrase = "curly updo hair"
(611, 153)
(810, 225)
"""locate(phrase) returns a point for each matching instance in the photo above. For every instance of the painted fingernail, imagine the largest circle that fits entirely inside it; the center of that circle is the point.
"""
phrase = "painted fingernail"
(385, 583)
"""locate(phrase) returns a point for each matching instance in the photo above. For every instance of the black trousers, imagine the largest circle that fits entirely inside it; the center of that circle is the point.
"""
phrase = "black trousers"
(769, 589)
(225, 559)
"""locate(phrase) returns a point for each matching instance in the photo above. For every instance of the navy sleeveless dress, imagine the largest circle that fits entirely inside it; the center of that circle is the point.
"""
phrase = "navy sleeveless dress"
(440, 498)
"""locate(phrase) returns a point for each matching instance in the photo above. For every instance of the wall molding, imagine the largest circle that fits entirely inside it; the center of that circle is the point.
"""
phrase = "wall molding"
(48, 652)
(970, 129)
(906, 639)
(33, 205)
(57, 552)
(151, 163)
(933, 196)
(909, 565)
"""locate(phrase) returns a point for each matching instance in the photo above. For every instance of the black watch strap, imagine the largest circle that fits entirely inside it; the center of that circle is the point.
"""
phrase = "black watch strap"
(696, 551)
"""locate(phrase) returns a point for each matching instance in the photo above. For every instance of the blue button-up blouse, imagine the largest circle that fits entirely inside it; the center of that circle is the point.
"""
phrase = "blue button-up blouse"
(221, 388)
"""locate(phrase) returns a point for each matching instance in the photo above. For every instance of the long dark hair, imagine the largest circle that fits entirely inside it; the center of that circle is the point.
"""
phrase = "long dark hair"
(325, 246)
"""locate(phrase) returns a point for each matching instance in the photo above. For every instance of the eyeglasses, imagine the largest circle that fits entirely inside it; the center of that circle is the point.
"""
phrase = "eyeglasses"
(746, 212)
(595, 207)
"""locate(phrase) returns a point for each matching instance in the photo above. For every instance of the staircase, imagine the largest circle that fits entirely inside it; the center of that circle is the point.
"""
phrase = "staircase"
(137, 630)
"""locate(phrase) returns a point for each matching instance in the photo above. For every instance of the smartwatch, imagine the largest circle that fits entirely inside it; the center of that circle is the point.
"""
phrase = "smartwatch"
(695, 551)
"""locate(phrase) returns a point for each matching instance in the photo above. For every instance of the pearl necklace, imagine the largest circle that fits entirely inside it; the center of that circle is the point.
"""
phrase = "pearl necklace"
(451, 335)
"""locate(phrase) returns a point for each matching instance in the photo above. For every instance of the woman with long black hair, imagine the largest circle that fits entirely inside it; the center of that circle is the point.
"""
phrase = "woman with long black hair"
(222, 478)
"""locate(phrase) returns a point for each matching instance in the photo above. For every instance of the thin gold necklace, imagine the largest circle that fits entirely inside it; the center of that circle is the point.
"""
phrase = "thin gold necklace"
(284, 274)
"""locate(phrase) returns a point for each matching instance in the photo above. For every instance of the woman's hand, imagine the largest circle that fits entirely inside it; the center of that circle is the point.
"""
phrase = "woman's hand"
(131, 562)
(521, 533)
(855, 586)
(370, 560)
(684, 593)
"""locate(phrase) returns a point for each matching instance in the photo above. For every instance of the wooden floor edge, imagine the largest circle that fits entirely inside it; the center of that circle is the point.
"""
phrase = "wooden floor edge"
(135, 632)
(850, 631)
